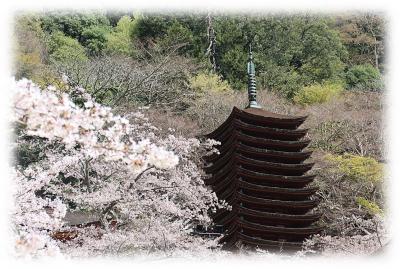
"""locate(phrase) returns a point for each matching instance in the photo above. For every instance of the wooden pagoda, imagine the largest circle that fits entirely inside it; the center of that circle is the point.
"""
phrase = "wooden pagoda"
(261, 172)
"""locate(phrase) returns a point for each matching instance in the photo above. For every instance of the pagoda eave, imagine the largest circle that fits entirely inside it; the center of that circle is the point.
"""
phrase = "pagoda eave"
(261, 172)
(268, 244)
(274, 155)
(237, 137)
(276, 168)
(282, 206)
(288, 220)
(252, 115)
(267, 132)
(265, 191)
(226, 175)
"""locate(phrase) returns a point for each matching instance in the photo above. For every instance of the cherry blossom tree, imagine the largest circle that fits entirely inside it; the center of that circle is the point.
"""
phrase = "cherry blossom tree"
(143, 190)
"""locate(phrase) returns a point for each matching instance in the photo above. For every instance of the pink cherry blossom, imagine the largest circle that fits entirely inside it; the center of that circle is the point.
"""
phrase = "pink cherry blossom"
(141, 190)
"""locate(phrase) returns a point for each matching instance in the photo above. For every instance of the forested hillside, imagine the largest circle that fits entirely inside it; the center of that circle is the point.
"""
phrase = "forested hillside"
(291, 52)
(164, 80)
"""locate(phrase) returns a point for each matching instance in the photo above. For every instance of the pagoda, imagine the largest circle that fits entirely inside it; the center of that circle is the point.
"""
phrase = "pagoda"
(261, 172)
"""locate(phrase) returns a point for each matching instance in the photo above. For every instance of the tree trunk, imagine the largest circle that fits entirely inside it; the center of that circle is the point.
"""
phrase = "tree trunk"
(376, 54)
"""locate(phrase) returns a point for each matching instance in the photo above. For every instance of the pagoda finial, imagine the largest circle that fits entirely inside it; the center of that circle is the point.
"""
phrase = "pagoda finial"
(251, 85)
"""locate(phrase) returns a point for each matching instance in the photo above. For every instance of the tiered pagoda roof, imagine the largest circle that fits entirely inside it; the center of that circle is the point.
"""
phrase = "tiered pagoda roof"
(261, 171)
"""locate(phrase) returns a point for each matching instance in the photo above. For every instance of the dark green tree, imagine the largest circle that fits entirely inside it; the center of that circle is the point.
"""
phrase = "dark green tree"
(94, 39)
(290, 51)
(72, 24)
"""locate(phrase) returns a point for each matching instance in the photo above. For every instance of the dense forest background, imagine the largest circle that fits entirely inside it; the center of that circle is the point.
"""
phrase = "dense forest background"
(290, 52)
(189, 70)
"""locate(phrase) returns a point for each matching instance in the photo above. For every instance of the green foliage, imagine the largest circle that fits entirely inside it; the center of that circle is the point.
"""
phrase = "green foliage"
(199, 40)
(88, 28)
(166, 31)
(364, 77)
(72, 24)
(205, 82)
(31, 52)
(358, 168)
(318, 93)
(94, 39)
(287, 82)
(127, 25)
(120, 40)
(290, 51)
(370, 206)
(152, 27)
(177, 34)
(294, 54)
(118, 43)
(231, 50)
(232, 67)
(63, 48)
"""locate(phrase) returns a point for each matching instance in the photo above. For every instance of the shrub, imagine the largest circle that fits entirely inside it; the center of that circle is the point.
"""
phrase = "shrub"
(63, 48)
(204, 82)
(72, 23)
(329, 135)
(349, 124)
(342, 213)
(364, 77)
(47, 76)
(94, 39)
(177, 34)
(358, 168)
(370, 206)
(119, 41)
(287, 82)
(318, 93)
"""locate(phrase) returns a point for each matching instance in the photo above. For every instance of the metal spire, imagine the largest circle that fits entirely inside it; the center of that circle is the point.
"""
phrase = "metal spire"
(251, 86)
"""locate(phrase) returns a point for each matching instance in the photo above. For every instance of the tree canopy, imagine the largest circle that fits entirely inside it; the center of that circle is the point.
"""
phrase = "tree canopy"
(290, 52)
